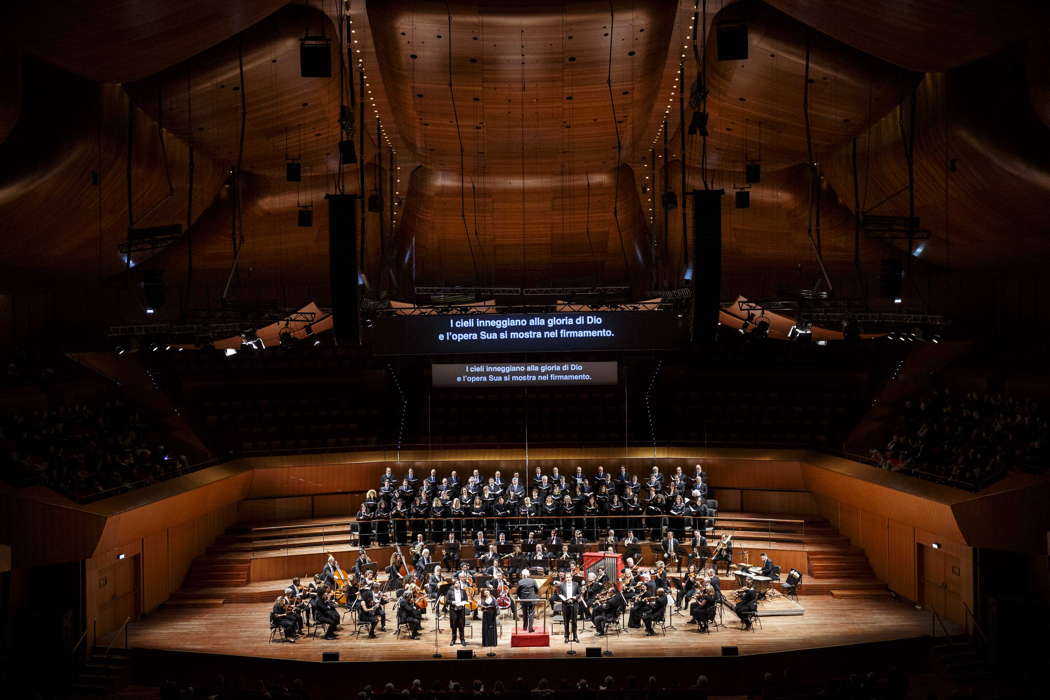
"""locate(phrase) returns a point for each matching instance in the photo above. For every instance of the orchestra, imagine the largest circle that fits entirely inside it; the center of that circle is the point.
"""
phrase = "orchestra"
(514, 556)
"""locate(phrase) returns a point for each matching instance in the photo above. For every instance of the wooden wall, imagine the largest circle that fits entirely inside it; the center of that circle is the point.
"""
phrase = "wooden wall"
(894, 528)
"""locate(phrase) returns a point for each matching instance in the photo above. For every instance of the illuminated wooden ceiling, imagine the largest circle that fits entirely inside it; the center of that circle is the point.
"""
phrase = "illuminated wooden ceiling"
(523, 133)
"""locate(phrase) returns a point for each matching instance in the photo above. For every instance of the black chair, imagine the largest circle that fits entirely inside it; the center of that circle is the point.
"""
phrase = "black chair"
(791, 585)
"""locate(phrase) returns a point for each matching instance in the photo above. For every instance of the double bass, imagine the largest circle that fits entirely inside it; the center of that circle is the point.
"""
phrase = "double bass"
(342, 581)
(420, 600)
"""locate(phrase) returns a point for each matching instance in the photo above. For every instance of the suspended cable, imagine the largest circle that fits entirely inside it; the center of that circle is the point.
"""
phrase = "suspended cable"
(619, 142)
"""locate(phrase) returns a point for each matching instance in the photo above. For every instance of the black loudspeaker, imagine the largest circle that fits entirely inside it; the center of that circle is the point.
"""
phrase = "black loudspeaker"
(305, 217)
(293, 171)
(153, 288)
(707, 263)
(315, 57)
(464, 653)
(669, 200)
(730, 651)
(329, 656)
(375, 202)
(743, 199)
(732, 41)
(594, 652)
(347, 152)
(891, 278)
(752, 173)
(342, 257)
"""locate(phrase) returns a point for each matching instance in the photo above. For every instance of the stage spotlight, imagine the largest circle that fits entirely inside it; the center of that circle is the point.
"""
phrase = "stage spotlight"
(898, 300)
(698, 124)
(935, 338)
(822, 342)
(935, 545)
(150, 311)
(229, 352)
(761, 331)
(153, 347)
(287, 339)
(747, 322)
(121, 349)
(308, 329)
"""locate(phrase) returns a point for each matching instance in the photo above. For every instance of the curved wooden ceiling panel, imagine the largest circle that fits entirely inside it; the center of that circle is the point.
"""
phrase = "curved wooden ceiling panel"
(124, 40)
(529, 81)
(200, 98)
(932, 35)
(559, 232)
(756, 106)
(63, 196)
(982, 168)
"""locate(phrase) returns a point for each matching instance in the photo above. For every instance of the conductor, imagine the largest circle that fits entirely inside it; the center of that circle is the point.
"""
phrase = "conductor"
(528, 593)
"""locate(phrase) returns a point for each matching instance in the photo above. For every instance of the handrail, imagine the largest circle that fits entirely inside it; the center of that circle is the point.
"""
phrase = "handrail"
(352, 520)
(936, 620)
(976, 625)
(113, 635)
(79, 642)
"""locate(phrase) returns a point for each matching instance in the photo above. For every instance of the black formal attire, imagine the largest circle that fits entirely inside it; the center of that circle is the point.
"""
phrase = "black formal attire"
(399, 524)
(725, 555)
(451, 557)
(769, 569)
(369, 610)
(747, 606)
(437, 523)
(654, 613)
(670, 548)
(419, 512)
(489, 633)
(568, 594)
(360, 564)
(455, 602)
(285, 621)
(688, 586)
(325, 614)
(409, 614)
(702, 609)
(394, 581)
(608, 612)
(528, 595)
(364, 525)
(328, 574)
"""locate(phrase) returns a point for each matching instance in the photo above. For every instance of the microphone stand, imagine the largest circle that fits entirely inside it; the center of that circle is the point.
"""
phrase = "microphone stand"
(565, 625)
(437, 628)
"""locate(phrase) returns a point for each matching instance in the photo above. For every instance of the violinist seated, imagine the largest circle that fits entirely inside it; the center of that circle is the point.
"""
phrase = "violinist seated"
(409, 614)
(703, 606)
(282, 618)
(608, 607)
(371, 609)
(748, 605)
(325, 613)
(654, 612)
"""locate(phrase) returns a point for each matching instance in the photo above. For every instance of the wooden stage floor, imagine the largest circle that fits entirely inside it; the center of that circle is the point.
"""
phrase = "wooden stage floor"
(243, 629)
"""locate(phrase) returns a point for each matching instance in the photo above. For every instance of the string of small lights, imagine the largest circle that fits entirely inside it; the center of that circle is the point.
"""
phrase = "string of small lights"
(358, 53)
(648, 183)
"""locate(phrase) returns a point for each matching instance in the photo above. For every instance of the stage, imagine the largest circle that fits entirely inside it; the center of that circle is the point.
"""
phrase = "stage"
(242, 629)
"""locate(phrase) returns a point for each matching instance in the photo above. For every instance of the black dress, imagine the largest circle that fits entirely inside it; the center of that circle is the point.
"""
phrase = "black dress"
(489, 611)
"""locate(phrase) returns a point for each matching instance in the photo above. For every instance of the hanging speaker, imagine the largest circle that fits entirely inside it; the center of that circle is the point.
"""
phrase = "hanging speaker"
(730, 651)
(698, 124)
(315, 57)
(752, 173)
(305, 217)
(347, 152)
(743, 199)
(293, 171)
(891, 278)
(732, 41)
(329, 656)
(375, 202)
(670, 200)
(464, 653)
(594, 652)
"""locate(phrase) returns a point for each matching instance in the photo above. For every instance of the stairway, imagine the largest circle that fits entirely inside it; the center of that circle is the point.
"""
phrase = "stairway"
(103, 674)
(842, 563)
(215, 572)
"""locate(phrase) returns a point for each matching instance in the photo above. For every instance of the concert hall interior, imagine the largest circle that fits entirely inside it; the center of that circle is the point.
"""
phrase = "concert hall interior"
(575, 348)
